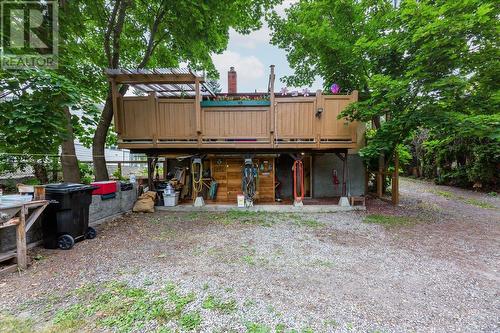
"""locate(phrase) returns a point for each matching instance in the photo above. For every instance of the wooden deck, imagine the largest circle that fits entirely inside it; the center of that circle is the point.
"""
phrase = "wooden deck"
(167, 120)
(291, 123)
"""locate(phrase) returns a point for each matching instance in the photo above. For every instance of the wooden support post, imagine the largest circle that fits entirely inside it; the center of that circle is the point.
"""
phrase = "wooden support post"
(395, 180)
(151, 171)
(343, 157)
(380, 176)
(165, 169)
(114, 97)
(22, 260)
(344, 176)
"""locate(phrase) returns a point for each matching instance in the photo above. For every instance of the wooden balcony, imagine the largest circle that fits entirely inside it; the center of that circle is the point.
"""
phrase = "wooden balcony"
(281, 122)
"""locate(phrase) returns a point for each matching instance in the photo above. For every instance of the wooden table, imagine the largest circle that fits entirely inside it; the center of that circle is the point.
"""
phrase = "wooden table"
(17, 213)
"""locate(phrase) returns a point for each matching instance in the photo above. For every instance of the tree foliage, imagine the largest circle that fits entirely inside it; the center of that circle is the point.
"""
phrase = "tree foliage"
(141, 34)
(421, 64)
(32, 118)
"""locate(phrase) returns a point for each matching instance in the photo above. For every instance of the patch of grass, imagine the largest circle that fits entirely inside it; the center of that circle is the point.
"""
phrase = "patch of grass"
(249, 303)
(322, 263)
(245, 217)
(15, 325)
(164, 330)
(331, 323)
(39, 257)
(280, 328)
(122, 308)
(389, 220)
(479, 203)
(190, 321)
(68, 320)
(257, 328)
(215, 303)
(444, 194)
(302, 221)
(492, 194)
(193, 216)
(179, 301)
(470, 201)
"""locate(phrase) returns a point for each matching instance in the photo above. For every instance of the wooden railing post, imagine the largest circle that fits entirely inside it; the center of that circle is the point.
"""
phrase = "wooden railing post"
(197, 108)
(114, 97)
(317, 120)
(272, 120)
(153, 104)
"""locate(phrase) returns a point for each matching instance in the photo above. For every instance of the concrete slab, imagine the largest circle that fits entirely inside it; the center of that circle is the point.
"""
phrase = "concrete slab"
(263, 208)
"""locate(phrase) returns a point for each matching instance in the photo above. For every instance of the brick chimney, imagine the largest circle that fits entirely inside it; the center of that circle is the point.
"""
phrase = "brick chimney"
(231, 81)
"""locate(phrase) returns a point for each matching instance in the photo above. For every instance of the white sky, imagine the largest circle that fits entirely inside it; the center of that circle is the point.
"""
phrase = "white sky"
(251, 55)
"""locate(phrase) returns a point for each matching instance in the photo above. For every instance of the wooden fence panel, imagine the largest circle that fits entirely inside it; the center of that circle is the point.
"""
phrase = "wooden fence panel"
(137, 118)
(295, 119)
(176, 119)
(236, 123)
(331, 127)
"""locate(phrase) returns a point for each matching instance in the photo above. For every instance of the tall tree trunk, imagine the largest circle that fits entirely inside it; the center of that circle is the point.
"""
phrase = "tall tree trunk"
(69, 161)
(99, 140)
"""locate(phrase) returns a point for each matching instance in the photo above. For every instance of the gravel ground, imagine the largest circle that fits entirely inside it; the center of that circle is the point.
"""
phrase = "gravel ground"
(434, 271)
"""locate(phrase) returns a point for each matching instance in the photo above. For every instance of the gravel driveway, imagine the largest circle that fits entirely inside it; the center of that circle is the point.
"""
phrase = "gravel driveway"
(430, 265)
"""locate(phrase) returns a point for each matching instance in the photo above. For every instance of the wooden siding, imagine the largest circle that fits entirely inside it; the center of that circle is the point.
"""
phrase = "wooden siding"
(228, 172)
(236, 123)
(176, 119)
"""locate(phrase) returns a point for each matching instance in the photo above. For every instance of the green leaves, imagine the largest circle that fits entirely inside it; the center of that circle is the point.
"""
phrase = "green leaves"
(424, 64)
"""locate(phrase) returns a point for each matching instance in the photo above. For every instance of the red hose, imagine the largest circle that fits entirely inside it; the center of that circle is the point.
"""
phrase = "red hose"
(298, 169)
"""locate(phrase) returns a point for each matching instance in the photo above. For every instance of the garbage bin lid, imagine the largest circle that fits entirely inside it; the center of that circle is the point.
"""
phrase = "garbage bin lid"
(67, 187)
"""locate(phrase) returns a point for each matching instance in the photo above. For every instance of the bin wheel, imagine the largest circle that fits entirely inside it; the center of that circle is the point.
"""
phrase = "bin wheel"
(91, 233)
(65, 242)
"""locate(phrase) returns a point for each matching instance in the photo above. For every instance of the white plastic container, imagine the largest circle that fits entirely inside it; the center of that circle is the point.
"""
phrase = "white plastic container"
(171, 200)
(17, 198)
(241, 200)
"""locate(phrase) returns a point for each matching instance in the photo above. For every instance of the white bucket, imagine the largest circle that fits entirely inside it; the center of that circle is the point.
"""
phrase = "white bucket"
(241, 200)
(171, 200)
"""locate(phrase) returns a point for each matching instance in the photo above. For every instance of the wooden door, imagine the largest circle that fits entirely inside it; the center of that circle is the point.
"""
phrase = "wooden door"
(265, 184)
(233, 170)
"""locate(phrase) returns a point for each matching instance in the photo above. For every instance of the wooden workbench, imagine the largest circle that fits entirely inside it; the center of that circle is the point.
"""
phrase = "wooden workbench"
(21, 215)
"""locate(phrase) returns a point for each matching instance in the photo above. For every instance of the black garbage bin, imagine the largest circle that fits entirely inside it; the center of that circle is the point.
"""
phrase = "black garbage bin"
(66, 219)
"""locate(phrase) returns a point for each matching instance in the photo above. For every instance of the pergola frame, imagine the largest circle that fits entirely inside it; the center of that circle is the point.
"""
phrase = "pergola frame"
(165, 82)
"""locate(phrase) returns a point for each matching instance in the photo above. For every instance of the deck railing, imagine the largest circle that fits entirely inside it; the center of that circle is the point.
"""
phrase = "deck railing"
(281, 122)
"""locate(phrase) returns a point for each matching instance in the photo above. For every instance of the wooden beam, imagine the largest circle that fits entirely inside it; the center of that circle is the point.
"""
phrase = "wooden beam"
(114, 97)
(22, 260)
(155, 78)
(32, 219)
